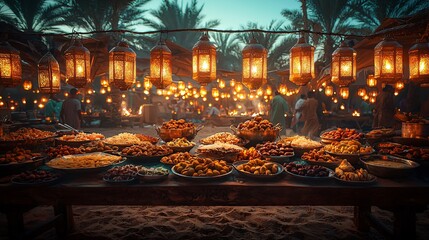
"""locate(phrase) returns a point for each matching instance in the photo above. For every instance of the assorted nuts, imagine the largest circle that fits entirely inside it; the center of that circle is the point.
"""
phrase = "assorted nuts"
(146, 149)
(259, 167)
(256, 124)
(319, 155)
(202, 167)
(274, 149)
(307, 170)
(176, 158)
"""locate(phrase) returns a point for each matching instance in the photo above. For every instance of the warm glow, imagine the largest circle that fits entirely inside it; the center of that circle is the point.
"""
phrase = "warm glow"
(10, 66)
(366, 97)
(254, 65)
(160, 66)
(78, 67)
(109, 99)
(44, 100)
(344, 92)
(181, 85)
(301, 63)
(49, 74)
(373, 93)
(329, 90)
(204, 60)
(355, 113)
(215, 92)
(122, 66)
(388, 66)
(27, 85)
(335, 100)
(232, 83)
(41, 105)
(104, 82)
(203, 91)
(260, 92)
(138, 84)
(372, 99)
(222, 84)
(361, 92)
(269, 90)
(343, 67)
(419, 62)
(283, 89)
(342, 107)
(88, 100)
(399, 85)
(238, 87)
(371, 81)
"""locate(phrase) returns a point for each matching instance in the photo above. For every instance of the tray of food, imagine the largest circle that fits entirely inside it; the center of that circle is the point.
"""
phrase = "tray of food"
(147, 138)
(178, 157)
(36, 177)
(123, 140)
(257, 130)
(153, 174)
(380, 133)
(224, 137)
(409, 152)
(308, 172)
(98, 146)
(202, 169)
(218, 150)
(350, 150)
(347, 174)
(85, 163)
(275, 151)
(78, 139)
(386, 166)
(29, 137)
(258, 169)
(180, 145)
(301, 144)
(19, 159)
(177, 129)
(339, 134)
(62, 150)
(319, 157)
(249, 154)
(146, 151)
(125, 174)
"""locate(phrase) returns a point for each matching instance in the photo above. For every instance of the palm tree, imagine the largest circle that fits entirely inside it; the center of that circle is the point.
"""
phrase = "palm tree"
(373, 12)
(228, 51)
(33, 15)
(173, 15)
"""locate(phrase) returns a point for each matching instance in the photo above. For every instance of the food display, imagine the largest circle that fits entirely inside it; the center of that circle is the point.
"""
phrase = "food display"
(307, 170)
(225, 151)
(176, 158)
(202, 167)
(346, 172)
(408, 152)
(62, 150)
(223, 137)
(97, 146)
(380, 133)
(274, 149)
(256, 124)
(147, 138)
(177, 129)
(81, 137)
(35, 177)
(18, 155)
(257, 130)
(348, 147)
(259, 167)
(319, 155)
(388, 145)
(121, 172)
(180, 145)
(146, 149)
(125, 139)
(249, 154)
(177, 124)
(342, 134)
(26, 134)
(158, 171)
(301, 142)
(84, 161)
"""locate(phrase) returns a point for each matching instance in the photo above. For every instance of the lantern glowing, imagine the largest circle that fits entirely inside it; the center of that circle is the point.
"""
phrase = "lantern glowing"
(343, 68)
(204, 60)
(222, 84)
(181, 85)
(160, 66)
(344, 92)
(238, 87)
(372, 99)
(203, 91)
(399, 85)
(104, 82)
(371, 81)
(419, 62)
(232, 82)
(10, 66)
(301, 63)
(361, 92)
(373, 93)
(365, 98)
(109, 99)
(49, 75)
(147, 84)
(122, 66)
(283, 89)
(268, 91)
(388, 65)
(78, 68)
(27, 85)
(254, 65)
(215, 92)
(329, 90)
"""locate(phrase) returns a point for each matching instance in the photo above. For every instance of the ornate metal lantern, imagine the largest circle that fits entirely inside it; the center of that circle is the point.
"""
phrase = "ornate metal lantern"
(27, 85)
(361, 92)
(78, 67)
(419, 62)
(49, 76)
(329, 91)
(344, 92)
(204, 60)
(160, 66)
(10, 66)
(122, 66)
(301, 63)
(388, 66)
(371, 81)
(215, 92)
(254, 65)
(343, 68)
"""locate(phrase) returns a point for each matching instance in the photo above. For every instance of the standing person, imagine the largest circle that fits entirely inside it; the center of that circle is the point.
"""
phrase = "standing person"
(53, 107)
(297, 123)
(278, 109)
(71, 110)
(309, 115)
(384, 108)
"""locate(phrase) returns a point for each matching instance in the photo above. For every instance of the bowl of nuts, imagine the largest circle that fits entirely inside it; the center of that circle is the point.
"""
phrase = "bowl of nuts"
(275, 151)
(258, 168)
(257, 130)
(180, 145)
(177, 129)
(308, 172)
(146, 152)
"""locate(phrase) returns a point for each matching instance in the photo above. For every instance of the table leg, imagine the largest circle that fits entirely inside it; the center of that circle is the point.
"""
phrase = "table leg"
(66, 222)
(361, 217)
(404, 223)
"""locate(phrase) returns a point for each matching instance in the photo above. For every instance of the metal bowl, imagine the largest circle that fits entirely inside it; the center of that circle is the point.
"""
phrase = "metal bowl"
(168, 135)
(386, 171)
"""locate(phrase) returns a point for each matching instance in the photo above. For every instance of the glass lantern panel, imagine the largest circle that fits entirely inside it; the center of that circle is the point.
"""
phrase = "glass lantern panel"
(204, 63)
(5, 65)
(424, 64)
(414, 66)
(246, 71)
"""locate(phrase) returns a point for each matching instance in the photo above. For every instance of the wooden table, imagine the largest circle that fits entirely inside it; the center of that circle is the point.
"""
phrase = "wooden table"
(404, 197)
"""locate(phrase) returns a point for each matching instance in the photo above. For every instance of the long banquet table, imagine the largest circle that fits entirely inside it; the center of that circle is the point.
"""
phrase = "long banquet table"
(404, 197)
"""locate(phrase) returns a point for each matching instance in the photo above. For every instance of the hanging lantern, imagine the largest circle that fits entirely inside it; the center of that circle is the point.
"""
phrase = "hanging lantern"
(78, 68)
(301, 63)
(260, 91)
(181, 85)
(283, 89)
(371, 81)
(361, 92)
(399, 85)
(49, 74)
(343, 68)
(147, 84)
(222, 84)
(388, 65)
(10, 66)
(373, 93)
(104, 81)
(122, 66)
(215, 92)
(238, 87)
(344, 92)
(365, 98)
(254, 65)
(160, 66)
(232, 82)
(372, 99)
(419, 62)
(109, 99)
(27, 85)
(329, 91)
(204, 60)
(203, 91)
(268, 91)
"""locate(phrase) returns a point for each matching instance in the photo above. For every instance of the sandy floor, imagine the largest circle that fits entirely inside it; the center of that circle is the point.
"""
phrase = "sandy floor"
(130, 222)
